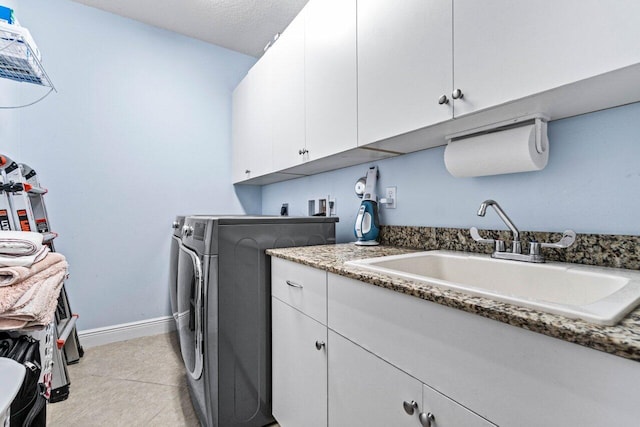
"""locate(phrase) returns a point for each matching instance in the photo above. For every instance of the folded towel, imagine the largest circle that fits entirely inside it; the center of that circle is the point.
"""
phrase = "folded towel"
(18, 294)
(40, 310)
(41, 307)
(23, 261)
(19, 243)
(12, 275)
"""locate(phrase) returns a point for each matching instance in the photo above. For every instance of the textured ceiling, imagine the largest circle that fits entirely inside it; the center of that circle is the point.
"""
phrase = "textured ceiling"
(242, 25)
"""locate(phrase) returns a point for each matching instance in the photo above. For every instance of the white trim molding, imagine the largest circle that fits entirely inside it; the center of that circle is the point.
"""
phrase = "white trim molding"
(126, 331)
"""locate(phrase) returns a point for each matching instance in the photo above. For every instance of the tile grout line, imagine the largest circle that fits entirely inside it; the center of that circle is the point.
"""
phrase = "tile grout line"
(135, 381)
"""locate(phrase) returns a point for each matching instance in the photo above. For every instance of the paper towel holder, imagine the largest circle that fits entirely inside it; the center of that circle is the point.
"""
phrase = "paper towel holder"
(538, 119)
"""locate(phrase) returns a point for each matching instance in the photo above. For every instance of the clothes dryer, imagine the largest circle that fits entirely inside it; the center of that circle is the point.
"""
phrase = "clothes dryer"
(224, 310)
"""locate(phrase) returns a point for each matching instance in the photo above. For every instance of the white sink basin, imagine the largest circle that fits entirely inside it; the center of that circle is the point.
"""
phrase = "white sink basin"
(595, 294)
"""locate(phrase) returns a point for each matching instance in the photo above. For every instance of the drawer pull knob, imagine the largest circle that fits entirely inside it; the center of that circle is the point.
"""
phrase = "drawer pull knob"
(293, 284)
(443, 100)
(319, 345)
(457, 94)
(410, 407)
(426, 419)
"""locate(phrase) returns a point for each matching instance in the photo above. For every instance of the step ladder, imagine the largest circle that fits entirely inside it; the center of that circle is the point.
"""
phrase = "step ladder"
(22, 207)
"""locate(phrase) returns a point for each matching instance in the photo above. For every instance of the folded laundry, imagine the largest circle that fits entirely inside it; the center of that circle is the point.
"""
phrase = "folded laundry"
(19, 294)
(39, 310)
(19, 243)
(23, 261)
(12, 275)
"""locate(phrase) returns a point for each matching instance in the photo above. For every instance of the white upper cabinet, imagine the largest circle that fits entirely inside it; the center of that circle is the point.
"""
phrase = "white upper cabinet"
(330, 77)
(505, 50)
(251, 124)
(404, 66)
(287, 102)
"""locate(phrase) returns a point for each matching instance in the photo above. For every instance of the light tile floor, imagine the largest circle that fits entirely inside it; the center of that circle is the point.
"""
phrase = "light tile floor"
(139, 382)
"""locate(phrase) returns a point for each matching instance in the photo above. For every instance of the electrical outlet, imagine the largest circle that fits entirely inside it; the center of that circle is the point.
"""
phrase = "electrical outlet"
(390, 194)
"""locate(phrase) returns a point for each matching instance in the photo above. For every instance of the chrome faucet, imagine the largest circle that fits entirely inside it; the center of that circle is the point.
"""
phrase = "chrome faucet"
(516, 246)
(568, 238)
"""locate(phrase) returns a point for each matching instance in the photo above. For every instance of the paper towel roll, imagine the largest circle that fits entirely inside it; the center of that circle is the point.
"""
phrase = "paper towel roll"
(507, 151)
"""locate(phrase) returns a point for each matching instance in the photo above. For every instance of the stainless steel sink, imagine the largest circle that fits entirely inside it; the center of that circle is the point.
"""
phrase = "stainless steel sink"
(595, 294)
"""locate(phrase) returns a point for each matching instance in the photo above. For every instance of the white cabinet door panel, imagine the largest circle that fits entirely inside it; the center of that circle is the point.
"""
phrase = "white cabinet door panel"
(404, 66)
(366, 391)
(251, 124)
(299, 369)
(448, 413)
(330, 77)
(287, 106)
(506, 50)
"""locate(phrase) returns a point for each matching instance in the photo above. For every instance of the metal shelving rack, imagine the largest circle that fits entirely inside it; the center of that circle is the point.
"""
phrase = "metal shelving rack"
(20, 57)
(26, 211)
(68, 349)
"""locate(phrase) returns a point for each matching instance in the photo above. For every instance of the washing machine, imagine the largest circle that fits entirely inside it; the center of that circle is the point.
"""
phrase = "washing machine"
(224, 310)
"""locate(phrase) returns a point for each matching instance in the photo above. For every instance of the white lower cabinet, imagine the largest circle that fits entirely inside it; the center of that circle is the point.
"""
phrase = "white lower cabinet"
(299, 368)
(386, 350)
(298, 345)
(437, 410)
(366, 390)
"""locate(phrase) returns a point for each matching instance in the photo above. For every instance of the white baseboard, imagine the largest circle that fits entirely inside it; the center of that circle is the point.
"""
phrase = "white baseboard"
(126, 331)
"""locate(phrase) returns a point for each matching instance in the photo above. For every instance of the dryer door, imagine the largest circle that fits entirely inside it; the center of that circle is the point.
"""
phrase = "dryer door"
(173, 277)
(190, 300)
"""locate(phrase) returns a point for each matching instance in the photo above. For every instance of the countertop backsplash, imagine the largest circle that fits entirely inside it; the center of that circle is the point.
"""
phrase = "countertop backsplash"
(605, 250)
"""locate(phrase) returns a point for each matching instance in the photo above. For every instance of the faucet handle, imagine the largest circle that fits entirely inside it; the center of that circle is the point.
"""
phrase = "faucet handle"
(568, 239)
(475, 235)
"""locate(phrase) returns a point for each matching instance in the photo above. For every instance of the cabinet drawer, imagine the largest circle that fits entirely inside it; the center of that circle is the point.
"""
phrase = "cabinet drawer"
(302, 287)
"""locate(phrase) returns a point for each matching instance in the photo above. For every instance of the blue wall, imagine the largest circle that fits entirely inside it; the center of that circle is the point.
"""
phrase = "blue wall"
(138, 132)
(591, 184)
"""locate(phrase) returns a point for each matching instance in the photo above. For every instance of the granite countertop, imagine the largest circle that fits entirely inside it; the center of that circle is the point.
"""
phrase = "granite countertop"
(621, 340)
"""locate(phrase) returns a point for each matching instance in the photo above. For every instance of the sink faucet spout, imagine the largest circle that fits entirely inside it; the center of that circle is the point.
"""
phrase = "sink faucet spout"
(503, 216)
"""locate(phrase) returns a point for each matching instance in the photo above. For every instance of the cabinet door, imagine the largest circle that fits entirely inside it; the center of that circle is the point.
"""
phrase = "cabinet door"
(251, 124)
(446, 412)
(330, 77)
(287, 104)
(506, 50)
(404, 66)
(365, 390)
(299, 369)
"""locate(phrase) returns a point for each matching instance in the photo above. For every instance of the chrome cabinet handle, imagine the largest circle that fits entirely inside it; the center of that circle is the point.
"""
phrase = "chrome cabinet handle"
(319, 345)
(426, 419)
(410, 407)
(175, 225)
(247, 171)
(443, 100)
(457, 94)
(303, 151)
(293, 284)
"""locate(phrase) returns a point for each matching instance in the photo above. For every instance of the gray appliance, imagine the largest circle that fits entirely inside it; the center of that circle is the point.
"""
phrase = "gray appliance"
(173, 264)
(224, 310)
